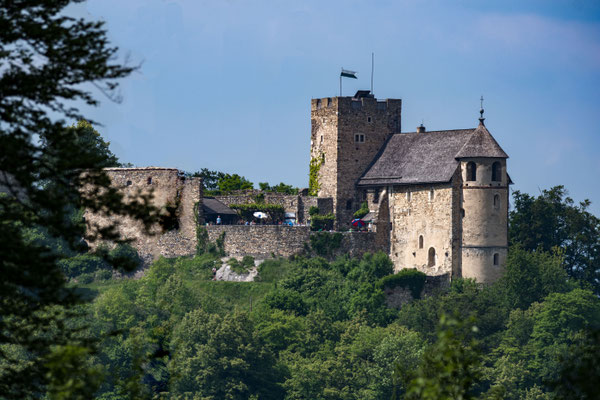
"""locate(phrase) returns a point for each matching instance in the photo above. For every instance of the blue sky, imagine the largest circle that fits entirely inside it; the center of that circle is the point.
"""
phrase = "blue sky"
(227, 84)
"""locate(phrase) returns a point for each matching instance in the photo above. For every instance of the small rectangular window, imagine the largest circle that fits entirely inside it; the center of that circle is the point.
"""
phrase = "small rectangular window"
(376, 196)
(359, 138)
(348, 204)
(408, 196)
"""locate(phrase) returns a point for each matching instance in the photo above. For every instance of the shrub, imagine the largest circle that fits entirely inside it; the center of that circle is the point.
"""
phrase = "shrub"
(407, 278)
(124, 257)
(86, 278)
(82, 264)
(324, 243)
(238, 267)
(102, 275)
(362, 211)
(313, 210)
(248, 261)
(322, 222)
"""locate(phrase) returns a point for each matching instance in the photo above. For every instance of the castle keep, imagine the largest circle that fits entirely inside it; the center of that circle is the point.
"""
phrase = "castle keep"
(438, 201)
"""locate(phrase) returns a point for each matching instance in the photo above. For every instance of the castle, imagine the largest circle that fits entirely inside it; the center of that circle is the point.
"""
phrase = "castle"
(438, 200)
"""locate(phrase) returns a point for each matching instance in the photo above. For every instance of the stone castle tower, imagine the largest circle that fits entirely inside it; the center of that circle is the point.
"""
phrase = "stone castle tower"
(346, 135)
(484, 198)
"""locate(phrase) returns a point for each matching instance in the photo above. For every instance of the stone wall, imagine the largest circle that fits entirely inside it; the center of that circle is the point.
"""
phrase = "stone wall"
(261, 241)
(264, 241)
(168, 187)
(422, 211)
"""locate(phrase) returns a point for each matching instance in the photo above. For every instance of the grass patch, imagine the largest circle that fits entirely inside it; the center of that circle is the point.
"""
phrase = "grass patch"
(274, 270)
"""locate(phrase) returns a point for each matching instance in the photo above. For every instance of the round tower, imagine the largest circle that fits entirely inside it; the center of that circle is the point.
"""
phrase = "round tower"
(484, 193)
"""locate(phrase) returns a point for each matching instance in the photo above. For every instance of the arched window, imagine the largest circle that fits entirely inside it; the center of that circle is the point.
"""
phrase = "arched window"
(471, 171)
(431, 257)
(149, 181)
(496, 259)
(496, 201)
(496, 172)
(421, 241)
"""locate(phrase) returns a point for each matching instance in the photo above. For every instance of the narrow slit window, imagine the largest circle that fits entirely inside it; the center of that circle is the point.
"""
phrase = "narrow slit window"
(431, 195)
(149, 181)
(496, 259)
(421, 241)
(496, 201)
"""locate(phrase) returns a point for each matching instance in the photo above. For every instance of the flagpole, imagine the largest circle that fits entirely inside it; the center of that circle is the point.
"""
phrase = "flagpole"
(372, 68)
(341, 82)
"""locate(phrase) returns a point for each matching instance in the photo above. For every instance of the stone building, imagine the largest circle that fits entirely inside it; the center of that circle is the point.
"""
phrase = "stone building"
(440, 199)
(177, 198)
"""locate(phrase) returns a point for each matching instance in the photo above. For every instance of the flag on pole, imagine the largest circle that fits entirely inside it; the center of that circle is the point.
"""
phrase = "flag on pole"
(348, 74)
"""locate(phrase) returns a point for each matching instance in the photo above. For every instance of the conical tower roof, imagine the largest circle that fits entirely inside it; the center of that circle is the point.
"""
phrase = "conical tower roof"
(481, 144)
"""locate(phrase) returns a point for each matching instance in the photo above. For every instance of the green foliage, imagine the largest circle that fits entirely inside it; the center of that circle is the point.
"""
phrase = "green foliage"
(554, 220)
(228, 183)
(325, 244)
(210, 179)
(83, 264)
(322, 222)
(241, 267)
(313, 210)
(313, 176)
(276, 212)
(279, 188)
(124, 257)
(450, 367)
(69, 373)
(406, 278)
(89, 138)
(362, 211)
(222, 358)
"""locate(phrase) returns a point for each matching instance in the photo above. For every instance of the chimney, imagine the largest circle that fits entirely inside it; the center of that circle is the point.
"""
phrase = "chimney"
(420, 129)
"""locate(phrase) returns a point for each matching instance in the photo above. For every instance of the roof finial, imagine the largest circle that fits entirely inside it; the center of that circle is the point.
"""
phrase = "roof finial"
(481, 119)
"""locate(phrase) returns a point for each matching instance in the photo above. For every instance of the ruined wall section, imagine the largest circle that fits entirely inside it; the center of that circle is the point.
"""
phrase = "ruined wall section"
(169, 188)
(415, 213)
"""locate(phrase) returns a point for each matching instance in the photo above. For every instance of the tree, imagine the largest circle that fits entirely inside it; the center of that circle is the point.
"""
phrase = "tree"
(554, 220)
(222, 358)
(210, 179)
(228, 183)
(48, 62)
(450, 368)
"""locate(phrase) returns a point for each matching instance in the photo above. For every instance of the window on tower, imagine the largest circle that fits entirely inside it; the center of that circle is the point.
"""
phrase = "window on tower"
(421, 241)
(359, 138)
(496, 259)
(431, 257)
(471, 171)
(496, 201)
(496, 172)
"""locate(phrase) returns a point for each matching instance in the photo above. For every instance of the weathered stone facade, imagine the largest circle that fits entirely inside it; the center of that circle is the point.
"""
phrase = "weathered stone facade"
(169, 188)
(346, 135)
(265, 241)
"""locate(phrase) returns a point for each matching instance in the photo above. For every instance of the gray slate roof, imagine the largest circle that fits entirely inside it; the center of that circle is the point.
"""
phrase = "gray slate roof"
(214, 206)
(428, 157)
(481, 144)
